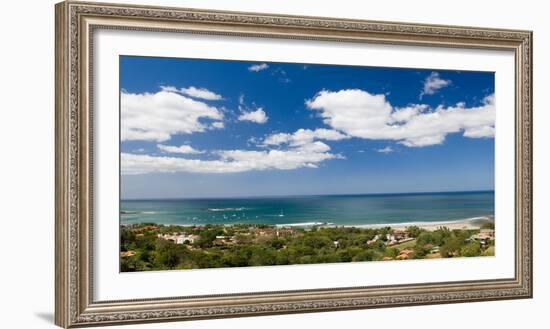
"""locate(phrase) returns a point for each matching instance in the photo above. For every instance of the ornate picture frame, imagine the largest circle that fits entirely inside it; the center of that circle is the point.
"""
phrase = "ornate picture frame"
(76, 22)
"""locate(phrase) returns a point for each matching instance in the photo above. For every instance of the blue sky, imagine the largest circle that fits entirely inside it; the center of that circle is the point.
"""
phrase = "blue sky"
(215, 128)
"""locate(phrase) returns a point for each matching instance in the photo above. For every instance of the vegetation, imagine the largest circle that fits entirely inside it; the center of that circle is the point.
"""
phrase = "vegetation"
(147, 247)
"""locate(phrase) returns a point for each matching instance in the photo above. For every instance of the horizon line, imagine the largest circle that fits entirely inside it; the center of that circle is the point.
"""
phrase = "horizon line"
(305, 195)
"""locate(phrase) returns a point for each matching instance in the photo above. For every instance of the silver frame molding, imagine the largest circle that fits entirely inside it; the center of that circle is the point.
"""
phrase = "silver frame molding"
(75, 25)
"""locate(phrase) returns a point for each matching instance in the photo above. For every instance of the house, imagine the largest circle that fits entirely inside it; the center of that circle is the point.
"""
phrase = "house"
(487, 231)
(265, 231)
(391, 242)
(224, 240)
(283, 232)
(128, 253)
(186, 238)
(168, 237)
(181, 239)
(177, 238)
(400, 235)
(405, 254)
(218, 243)
(484, 236)
(147, 228)
(373, 240)
(405, 240)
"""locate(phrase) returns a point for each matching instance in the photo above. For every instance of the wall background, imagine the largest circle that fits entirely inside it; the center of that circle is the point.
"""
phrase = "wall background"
(27, 161)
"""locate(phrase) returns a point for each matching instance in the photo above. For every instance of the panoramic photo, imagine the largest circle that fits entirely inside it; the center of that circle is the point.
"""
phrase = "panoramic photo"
(238, 163)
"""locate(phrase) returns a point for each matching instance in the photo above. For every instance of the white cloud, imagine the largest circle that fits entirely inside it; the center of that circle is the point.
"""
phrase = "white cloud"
(201, 93)
(257, 116)
(170, 89)
(218, 125)
(387, 149)
(406, 113)
(158, 116)
(232, 161)
(422, 141)
(258, 67)
(304, 136)
(433, 83)
(360, 114)
(183, 149)
(478, 132)
(194, 92)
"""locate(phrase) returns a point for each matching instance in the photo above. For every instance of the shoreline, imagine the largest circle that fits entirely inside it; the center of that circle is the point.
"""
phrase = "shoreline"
(473, 223)
(467, 223)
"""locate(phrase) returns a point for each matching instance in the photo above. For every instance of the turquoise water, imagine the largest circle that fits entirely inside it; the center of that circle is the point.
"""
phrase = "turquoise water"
(336, 209)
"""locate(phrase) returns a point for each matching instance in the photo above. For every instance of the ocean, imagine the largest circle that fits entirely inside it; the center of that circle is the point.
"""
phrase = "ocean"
(364, 209)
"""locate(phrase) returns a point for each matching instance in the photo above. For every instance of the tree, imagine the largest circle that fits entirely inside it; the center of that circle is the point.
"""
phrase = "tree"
(420, 251)
(262, 257)
(367, 255)
(128, 264)
(414, 230)
(392, 252)
(424, 238)
(127, 237)
(169, 257)
(276, 243)
(145, 256)
(317, 241)
(451, 247)
(243, 239)
(472, 249)
(463, 234)
(441, 235)
(206, 238)
(347, 254)
(379, 245)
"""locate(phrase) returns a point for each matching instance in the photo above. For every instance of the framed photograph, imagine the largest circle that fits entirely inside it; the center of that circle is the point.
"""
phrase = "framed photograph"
(218, 164)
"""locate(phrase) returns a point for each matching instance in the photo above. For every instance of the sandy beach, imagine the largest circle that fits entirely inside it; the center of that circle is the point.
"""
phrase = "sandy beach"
(467, 224)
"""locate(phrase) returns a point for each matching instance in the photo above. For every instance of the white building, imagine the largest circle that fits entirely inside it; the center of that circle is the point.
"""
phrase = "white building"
(183, 238)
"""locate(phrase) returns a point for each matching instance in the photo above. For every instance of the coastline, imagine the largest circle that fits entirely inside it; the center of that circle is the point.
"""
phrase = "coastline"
(473, 223)
(214, 246)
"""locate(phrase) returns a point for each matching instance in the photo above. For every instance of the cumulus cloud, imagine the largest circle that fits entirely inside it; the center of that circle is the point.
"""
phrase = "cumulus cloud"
(358, 113)
(387, 149)
(158, 116)
(202, 93)
(404, 114)
(231, 161)
(183, 149)
(257, 116)
(251, 113)
(304, 136)
(433, 83)
(258, 67)
(478, 132)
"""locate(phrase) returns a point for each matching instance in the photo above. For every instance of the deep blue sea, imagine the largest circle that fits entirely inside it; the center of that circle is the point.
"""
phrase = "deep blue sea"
(332, 209)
